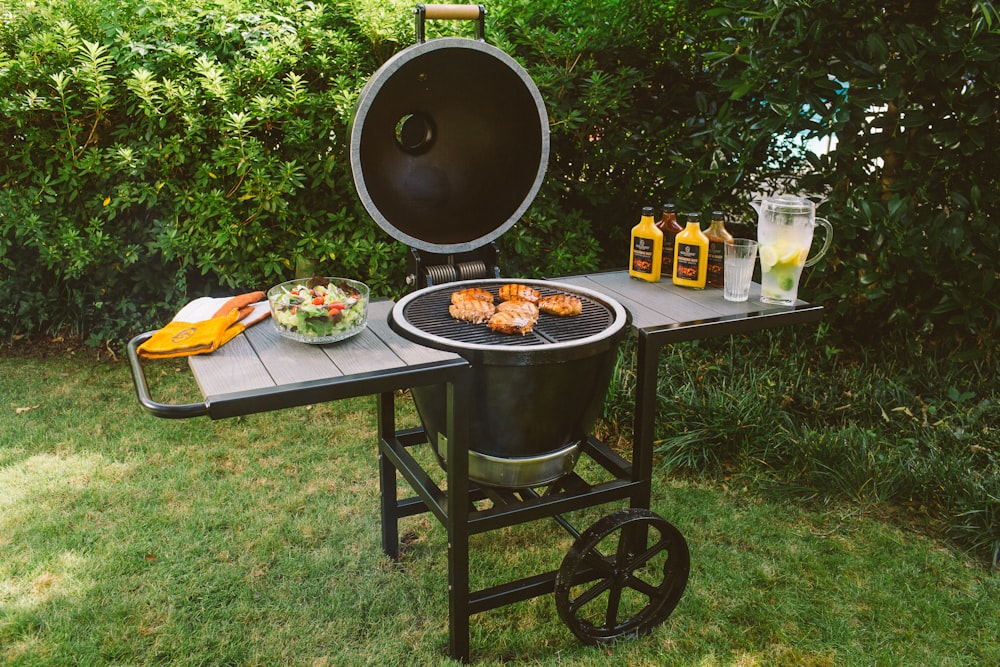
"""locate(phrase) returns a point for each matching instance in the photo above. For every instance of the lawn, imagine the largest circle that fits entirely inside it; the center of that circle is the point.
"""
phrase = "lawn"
(127, 539)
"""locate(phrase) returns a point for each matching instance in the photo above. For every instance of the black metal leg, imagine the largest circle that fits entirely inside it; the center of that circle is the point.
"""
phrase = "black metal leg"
(646, 360)
(458, 520)
(387, 477)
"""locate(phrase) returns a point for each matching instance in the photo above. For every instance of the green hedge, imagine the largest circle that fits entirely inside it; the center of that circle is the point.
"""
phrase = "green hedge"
(154, 156)
(911, 92)
(157, 151)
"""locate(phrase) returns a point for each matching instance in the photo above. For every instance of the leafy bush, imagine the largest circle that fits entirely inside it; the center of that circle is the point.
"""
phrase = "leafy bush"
(910, 92)
(623, 91)
(172, 152)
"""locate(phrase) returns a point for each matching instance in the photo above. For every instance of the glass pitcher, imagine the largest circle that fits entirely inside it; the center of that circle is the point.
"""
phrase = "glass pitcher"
(785, 225)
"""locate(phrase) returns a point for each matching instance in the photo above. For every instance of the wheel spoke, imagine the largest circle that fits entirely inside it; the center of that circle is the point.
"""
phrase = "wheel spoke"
(590, 594)
(614, 602)
(642, 586)
(638, 560)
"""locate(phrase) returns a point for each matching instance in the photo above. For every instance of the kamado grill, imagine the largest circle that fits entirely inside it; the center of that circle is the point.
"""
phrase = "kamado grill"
(449, 146)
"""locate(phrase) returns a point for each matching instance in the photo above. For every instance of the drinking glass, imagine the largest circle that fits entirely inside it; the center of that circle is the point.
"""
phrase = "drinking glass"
(740, 256)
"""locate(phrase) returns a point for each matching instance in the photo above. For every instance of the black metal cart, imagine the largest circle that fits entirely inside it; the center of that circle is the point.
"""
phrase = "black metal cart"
(258, 371)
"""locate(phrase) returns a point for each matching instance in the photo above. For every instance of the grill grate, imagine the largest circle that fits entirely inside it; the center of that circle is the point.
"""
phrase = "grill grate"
(428, 312)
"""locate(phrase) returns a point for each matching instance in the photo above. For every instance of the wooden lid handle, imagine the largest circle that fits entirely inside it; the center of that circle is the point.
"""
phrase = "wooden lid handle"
(453, 12)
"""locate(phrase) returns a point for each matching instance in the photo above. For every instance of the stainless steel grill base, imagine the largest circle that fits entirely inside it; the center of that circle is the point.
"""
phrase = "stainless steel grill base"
(520, 472)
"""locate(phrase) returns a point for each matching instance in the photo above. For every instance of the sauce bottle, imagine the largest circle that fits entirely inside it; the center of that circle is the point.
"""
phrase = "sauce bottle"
(717, 237)
(646, 251)
(691, 255)
(670, 227)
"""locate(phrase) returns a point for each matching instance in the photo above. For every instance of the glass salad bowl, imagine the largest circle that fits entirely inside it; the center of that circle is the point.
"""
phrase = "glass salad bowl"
(319, 310)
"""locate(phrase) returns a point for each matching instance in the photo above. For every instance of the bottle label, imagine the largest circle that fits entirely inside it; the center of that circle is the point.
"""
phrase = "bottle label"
(716, 263)
(688, 257)
(668, 250)
(642, 255)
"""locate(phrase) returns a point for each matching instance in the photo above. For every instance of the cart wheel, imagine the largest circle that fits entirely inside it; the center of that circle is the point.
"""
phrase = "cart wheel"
(627, 593)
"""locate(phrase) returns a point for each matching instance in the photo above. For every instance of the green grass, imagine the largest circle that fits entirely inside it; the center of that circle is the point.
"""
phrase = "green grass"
(789, 414)
(127, 539)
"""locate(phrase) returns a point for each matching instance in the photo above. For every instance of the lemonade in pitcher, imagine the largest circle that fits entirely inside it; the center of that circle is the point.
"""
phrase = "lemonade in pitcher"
(781, 265)
(785, 232)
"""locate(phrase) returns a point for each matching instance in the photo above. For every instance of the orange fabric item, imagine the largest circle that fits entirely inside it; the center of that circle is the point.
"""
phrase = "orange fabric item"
(181, 338)
(242, 303)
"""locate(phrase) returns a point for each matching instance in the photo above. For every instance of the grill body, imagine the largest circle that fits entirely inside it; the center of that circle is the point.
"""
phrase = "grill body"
(535, 397)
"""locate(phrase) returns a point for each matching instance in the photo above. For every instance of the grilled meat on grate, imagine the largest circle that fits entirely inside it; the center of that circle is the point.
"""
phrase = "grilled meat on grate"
(517, 292)
(475, 311)
(471, 294)
(517, 312)
(511, 322)
(514, 317)
(522, 308)
(560, 305)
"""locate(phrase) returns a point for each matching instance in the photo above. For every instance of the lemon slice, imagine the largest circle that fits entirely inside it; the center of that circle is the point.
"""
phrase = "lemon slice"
(790, 256)
(768, 257)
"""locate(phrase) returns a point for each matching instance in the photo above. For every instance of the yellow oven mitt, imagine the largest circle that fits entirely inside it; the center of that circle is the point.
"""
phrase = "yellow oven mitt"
(204, 325)
(181, 339)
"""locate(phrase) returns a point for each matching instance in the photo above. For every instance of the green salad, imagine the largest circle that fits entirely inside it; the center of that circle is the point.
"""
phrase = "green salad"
(319, 310)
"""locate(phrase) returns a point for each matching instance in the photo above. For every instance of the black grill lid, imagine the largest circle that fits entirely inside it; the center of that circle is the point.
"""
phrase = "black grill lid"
(449, 144)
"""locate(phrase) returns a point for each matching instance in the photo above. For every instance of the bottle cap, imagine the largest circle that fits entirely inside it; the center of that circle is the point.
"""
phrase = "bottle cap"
(668, 208)
(716, 214)
(647, 210)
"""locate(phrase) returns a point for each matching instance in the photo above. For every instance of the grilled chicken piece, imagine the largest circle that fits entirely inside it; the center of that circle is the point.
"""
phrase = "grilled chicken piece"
(472, 310)
(471, 294)
(511, 321)
(522, 308)
(514, 317)
(560, 305)
(516, 292)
